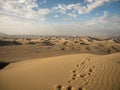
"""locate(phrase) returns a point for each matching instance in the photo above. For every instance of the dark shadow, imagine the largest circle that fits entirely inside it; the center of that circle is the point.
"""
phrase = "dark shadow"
(117, 40)
(115, 48)
(7, 43)
(3, 64)
(118, 62)
(47, 43)
(31, 43)
(83, 43)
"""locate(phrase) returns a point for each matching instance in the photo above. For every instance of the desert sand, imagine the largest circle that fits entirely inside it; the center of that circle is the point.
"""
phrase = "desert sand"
(18, 49)
(68, 72)
(60, 64)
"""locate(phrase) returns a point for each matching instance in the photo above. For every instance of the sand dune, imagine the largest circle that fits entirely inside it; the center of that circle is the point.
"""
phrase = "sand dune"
(18, 49)
(68, 72)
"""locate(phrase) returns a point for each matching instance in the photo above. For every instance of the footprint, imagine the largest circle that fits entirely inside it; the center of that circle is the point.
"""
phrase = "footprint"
(69, 87)
(73, 78)
(90, 70)
(81, 88)
(82, 75)
(74, 75)
(69, 81)
(83, 63)
(83, 67)
(74, 71)
(59, 87)
(77, 65)
(90, 74)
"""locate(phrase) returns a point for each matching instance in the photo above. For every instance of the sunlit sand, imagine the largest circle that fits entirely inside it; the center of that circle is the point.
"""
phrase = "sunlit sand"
(60, 64)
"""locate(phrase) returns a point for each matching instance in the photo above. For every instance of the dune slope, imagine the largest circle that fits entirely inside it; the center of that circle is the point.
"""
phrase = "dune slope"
(69, 72)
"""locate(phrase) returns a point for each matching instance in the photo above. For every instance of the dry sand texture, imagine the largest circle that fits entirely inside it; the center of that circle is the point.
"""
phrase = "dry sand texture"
(68, 72)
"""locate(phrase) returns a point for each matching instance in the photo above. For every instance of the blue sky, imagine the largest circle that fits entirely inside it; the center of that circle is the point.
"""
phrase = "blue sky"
(60, 17)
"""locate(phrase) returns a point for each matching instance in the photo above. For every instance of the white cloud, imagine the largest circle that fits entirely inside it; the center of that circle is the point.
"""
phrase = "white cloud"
(22, 8)
(72, 15)
(89, 0)
(15, 25)
(60, 8)
(21, 1)
(94, 4)
(91, 6)
(29, 8)
(72, 6)
(79, 7)
(106, 22)
(16, 17)
(43, 12)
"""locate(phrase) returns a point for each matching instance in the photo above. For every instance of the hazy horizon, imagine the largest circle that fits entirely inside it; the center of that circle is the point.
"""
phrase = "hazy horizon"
(53, 17)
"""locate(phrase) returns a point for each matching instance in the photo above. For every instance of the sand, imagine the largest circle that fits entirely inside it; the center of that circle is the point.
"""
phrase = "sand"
(18, 49)
(59, 63)
(67, 72)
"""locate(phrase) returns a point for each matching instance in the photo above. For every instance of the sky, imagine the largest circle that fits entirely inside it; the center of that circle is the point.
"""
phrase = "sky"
(60, 17)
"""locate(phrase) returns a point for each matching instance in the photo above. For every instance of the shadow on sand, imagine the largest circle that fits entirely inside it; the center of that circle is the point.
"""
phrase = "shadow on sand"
(3, 64)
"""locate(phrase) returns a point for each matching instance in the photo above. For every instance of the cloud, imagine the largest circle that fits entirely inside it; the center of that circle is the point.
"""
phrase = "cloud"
(89, 0)
(22, 8)
(98, 25)
(72, 15)
(81, 8)
(60, 8)
(106, 24)
(105, 20)
(25, 16)
(15, 25)
(43, 2)
(43, 12)
(30, 9)
(92, 5)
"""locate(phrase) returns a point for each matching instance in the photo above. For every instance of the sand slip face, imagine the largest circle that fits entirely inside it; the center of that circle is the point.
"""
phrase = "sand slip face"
(69, 72)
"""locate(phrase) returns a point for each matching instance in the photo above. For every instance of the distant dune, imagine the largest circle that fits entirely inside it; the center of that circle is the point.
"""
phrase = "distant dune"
(69, 72)
(18, 49)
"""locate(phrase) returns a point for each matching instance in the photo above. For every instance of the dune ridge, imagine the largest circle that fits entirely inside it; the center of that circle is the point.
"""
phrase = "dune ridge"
(68, 72)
